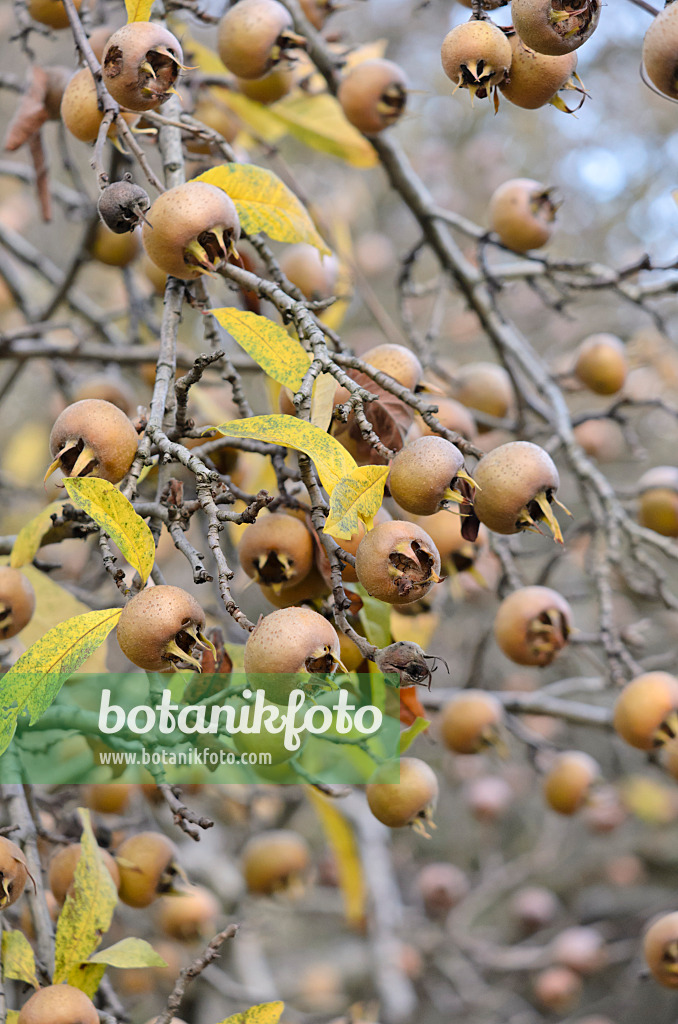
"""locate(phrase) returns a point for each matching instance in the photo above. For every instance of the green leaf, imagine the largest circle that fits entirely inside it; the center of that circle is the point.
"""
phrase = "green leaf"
(265, 203)
(319, 122)
(114, 514)
(331, 459)
(358, 496)
(18, 961)
(281, 356)
(34, 681)
(130, 952)
(408, 736)
(87, 977)
(87, 913)
(375, 618)
(30, 536)
(265, 1013)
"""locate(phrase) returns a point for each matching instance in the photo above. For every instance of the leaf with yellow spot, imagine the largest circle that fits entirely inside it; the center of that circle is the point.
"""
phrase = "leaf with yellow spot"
(264, 1013)
(138, 10)
(18, 961)
(331, 459)
(341, 839)
(319, 122)
(282, 357)
(87, 912)
(115, 515)
(129, 952)
(33, 682)
(265, 203)
(357, 497)
(29, 538)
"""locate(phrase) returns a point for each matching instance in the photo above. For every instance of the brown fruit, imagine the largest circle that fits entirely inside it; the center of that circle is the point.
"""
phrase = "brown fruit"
(427, 475)
(411, 801)
(646, 712)
(557, 989)
(601, 364)
(277, 550)
(373, 95)
(568, 781)
(61, 870)
(658, 500)
(275, 861)
(17, 602)
(290, 641)
(148, 868)
(485, 387)
(214, 114)
(58, 1004)
(522, 213)
(535, 79)
(659, 51)
(189, 915)
(312, 587)
(271, 88)
(453, 415)
(115, 250)
(456, 553)
(581, 949)
(534, 907)
(660, 949)
(109, 797)
(80, 108)
(13, 872)
(441, 887)
(140, 65)
(555, 26)
(532, 625)
(314, 275)
(107, 388)
(98, 39)
(397, 562)
(122, 205)
(398, 362)
(93, 438)
(160, 626)
(516, 485)
(476, 56)
(191, 229)
(488, 798)
(50, 12)
(471, 721)
(317, 11)
(602, 440)
(254, 36)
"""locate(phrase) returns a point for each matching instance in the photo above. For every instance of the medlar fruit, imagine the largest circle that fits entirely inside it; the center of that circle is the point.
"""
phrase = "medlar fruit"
(160, 626)
(314, 275)
(148, 868)
(659, 51)
(398, 362)
(254, 36)
(485, 387)
(17, 602)
(92, 438)
(535, 79)
(411, 801)
(476, 56)
(601, 364)
(62, 865)
(555, 26)
(115, 250)
(122, 205)
(532, 625)
(140, 65)
(373, 95)
(290, 641)
(80, 108)
(58, 1004)
(50, 12)
(646, 711)
(271, 88)
(14, 872)
(658, 500)
(522, 213)
(660, 949)
(275, 861)
(190, 915)
(471, 721)
(397, 562)
(277, 550)
(568, 781)
(428, 475)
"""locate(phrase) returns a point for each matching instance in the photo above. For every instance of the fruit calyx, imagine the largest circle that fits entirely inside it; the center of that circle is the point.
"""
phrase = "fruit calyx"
(122, 205)
(75, 459)
(210, 249)
(411, 567)
(540, 510)
(572, 18)
(157, 72)
(179, 650)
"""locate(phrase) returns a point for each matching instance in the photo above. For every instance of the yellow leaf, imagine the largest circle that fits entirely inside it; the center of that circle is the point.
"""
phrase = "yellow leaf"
(322, 402)
(265, 1013)
(130, 952)
(23, 461)
(88, 912)
(208, 60)
(138, 10)
(331, 460)
(12, 1017)
(358, 496)
(30, 536)
(260, 120)
(341, 839)
(114, 514)
(18, 961)
(87, 977)
(418, 628)
(34, 681)
(319, 122)
(282, 357)
(265, 203)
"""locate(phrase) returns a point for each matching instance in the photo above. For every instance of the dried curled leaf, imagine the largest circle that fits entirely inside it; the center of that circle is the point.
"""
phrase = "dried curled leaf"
(390, 419)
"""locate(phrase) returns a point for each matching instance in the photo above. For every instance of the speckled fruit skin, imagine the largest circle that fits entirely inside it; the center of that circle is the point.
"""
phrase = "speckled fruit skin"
(284, 640)
(486, 387)
(51, 12)
(274, 860)
(147, 865)
(518, 215)
(470, 720)
(373, 95)
(398, 362)
(17, 599)
(58, 1004)
(507, 479)
(533, 22)
(535, 78)
(660, 946)
(568, 781)
(61, 870)
(374, 562)
(471, 43)
(518, 621)
(277, 535)
(189, 916)
(13, 872)
(102, 427)
(151, 620)
(658, 500)
(421, 473)
(248, 34)
(80, 111)
(601, 364)
(181, 215)
(313, 274)
(398, 804)
(659, 51)
(643, 706)
(125, 52)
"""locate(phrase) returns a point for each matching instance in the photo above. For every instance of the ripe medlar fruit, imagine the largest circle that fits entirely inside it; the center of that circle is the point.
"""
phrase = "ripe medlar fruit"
(17, 602)
(214, 114)
(373, 95)
(315, 275)
(535, 79)
(13, 872)
(453, 415)
(646, 711)
(277, 550)
(397, 562)
(50, 12)
(555, 26)
(148, 868)
(140, 65)
(470, 721)
(522, 213)
(271, 88)
(92, 438)
(58, 1004)
(485, 387)
(659, 51)
(191, 229)
(292, 641)
(109, 797)
(313, 586)
(568, 781)
(532, 625)
(122, 205)
(189, 915)
(408, 802)
(254, 36)
(115, 250)
(109, 388)
(476, 56)
(275, 861)
(660, 949)
(317, 11)
(80, 108)
(658, 500)
(62, 865)
(601, 363)
(398, 362)
(456, 553)
(160, 626)
(428, 475)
